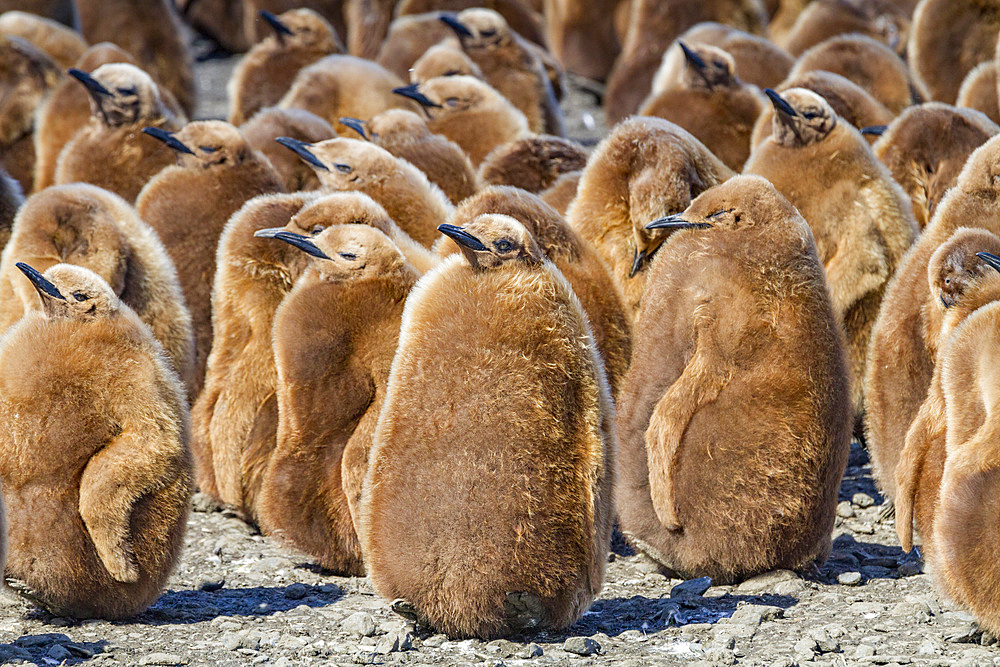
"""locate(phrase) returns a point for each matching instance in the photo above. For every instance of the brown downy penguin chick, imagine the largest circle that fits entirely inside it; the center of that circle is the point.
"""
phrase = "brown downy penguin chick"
(868, 63)
(86, 226)
(212, 156)
(653, 26)
(926, 147)
(737, 374)
(110, 151)
(576, 260)
(267, 125)
(345, 310)
(151, 32)
(406, 135)
(469, 112)
(64, 45)
(94, 452)
(338, 86)
(409, 38)
(220, 21)
(517, 535)
(366, 23)
(264, 75)
(882, 20)
(518, 14)
(416, 204)
(57, 10)
(27, 76)
(443, 60)
(562, 193)
(710, 102)
(644, 169)
(979, 91)
(533, 163)
(829, 173)
(948, 39)
(581, 37)
(509, 65)
(11, 199)
(892, 398)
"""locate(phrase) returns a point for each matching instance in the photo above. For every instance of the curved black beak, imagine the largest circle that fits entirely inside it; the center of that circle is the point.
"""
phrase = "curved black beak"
(990, 259)
(301, 148)
(357, 125)
(691, 56)
(414, 94)
(462, 237)
(38, 280)
(93, 86)
(455, 25)
(676, 222)
(303, 243)
(168, 138)
(268, 232)
(275, 23)
(874, 130)
(638, 259)
(780, 104)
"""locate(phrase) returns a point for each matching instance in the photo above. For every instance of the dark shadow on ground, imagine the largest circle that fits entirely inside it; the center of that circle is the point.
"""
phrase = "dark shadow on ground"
(872, 560)
(40, 650)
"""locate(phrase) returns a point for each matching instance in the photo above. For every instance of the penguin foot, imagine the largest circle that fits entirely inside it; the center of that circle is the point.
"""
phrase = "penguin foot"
(524, 611)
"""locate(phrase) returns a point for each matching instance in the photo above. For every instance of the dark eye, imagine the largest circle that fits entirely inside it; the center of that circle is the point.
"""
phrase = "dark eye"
(343, 168)
(503, 245)
(349, 256)
(80, 296)
(809, 115)
(718, 213)
(488, 33)
(209, 149)
(718, 63)
(316, 229)
(947, 281)
(452, 72)
(127, 91)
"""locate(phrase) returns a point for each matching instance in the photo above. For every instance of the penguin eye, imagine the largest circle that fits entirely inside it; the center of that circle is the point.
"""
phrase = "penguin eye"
(350, 256)
(316, 229)
(209, 149)
(343, 168)
(127, 91)
(809, 115)
(487, 33)
(717, 214)
(947, 281)
(718, 63)
(452, 101)
(503, 245)
(80, 296)
(452, 72)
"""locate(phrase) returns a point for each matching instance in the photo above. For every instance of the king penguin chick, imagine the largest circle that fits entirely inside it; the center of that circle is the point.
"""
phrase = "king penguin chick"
(979, 91)
(736, 375)
(263, 76)
(562, 193)
(581, 36)
(346, 310)
(94, 454)
(899, 335)
(517, 535)
(469, 112)
(644, 169)
(926, 147)
(86, 226)
(533, 163)
(523, 16)
(109, 150)
(444, 60)
(406, 135)
(883, 20)
(411, 200)
(410, 37)
(711, 103)
(267, 125)
(63, 44)
(861, 219)
(11, 199)
(212, 156)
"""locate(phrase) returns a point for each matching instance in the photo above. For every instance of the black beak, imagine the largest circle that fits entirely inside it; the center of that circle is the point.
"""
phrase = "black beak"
(638, 259)
(874, 130)
(691, 56)
(987, 257)
(462, 237)
(455, 25)
(301, 148)
(39, 281)
(93, 86)
(357, 125)
(168, 138)
(780, 104)
(303, 243)
(275, 22)
(676, 222)
(414, 94)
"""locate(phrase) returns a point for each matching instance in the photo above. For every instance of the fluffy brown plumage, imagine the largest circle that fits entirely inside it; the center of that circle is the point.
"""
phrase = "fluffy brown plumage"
(267, 125)
(444, 59)
(521, 17)
(581, 36)
(533, 163)
(409, 38)
(883, 20)
(563, 191)
(979, 91)
(64, 45)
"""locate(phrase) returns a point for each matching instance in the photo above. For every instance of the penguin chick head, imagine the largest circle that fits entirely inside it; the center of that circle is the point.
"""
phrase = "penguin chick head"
(121, 94)
(742, 202)
(479, 29)
(340, 208)
(72, 291)
(443, 60)
(302, 29)
(446, 95)
(706, 67)
(801, 117)
(204, 144)
(394, 124)
(347, 252)
(342, 163)
(956, 264)
(490, 241)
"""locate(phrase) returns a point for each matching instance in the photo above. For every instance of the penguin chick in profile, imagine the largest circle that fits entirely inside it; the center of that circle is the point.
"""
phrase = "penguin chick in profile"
(263, 76)
(406, 135)
(509, 65)
(979, 91)
(861, 219)
(110, 150)
(926, 147)
(735, 416)
(346, 311)
(645, 169)
(94, 451)
(63, 44)
(443, 60)
(533, 163)
(212, 156)
(469, 112)
(516, 534)
(523, 16)
(711, 103)
(267, 125)
(83, 225)
(411, 200)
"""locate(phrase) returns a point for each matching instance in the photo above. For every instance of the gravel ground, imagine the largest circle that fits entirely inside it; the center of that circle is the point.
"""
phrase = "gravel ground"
(240, 599)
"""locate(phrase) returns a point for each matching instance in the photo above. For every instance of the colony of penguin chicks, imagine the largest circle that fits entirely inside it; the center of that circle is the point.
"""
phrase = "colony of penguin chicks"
(425, 338)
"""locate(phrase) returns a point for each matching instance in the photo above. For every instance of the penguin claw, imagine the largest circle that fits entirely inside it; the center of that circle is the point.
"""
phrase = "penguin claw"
(524, 611)
(405, 609)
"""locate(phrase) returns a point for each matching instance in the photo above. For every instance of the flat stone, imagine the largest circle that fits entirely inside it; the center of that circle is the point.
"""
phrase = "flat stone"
(765, 583)
(755, 614)
(532, 650)
(359, 623)
(849, 578)
(845, 510)
(584, 645)
(434, 641)
(212, 585)
(59, 653)
(162, 659)
(400, 640)
(862, 500)
(691, 587)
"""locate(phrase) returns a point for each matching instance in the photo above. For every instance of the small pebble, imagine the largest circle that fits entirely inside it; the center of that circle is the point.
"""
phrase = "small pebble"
(212, 585)
(59, 652)
(359, 623)
(849, 578)
(296, 591)
(582, 646)
(162, 659)
(691, 587)
(862, 500)
(532, 651)
(845, 510)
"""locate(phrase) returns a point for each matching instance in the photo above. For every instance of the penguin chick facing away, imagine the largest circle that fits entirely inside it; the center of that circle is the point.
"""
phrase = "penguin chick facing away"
(735, 416)
(84, 225)
(646, 168)
(267, 125)
(899, 335)
(212, 156)
(63, 44)
(533, 163)
(979, 91)
(264, 75)
(443, 60)
(409, 38)
(345, 311)
(860, 218)
(882, 20)
(517, 535)
(94, 451)
(110, 151)
(413, 202)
